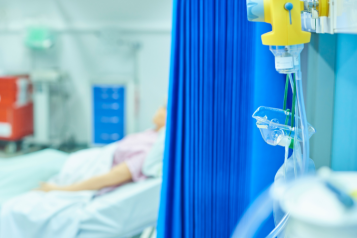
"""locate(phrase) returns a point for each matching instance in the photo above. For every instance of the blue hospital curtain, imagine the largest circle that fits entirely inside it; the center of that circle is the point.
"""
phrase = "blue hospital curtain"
(214, 89)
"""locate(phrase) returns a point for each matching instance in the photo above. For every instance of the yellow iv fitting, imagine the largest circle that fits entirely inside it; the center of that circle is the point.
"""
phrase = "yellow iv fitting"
(283, 32)
(323, 8)
(285, 18)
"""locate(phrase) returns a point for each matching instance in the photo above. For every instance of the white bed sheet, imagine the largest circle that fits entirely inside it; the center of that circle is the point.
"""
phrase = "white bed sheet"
(122, 213)
(23, 173)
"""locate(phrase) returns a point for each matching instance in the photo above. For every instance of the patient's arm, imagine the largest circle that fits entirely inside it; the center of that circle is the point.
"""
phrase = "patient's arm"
(119, 174)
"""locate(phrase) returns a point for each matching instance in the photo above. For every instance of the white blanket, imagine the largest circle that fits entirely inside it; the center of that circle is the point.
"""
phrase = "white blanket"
(55, 214)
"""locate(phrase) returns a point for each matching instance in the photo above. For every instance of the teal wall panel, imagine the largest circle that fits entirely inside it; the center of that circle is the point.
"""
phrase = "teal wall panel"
(344, 147)
(320, 87)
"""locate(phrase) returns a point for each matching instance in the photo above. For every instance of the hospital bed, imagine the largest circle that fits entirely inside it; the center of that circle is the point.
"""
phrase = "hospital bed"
(125, 212)
(24, 173)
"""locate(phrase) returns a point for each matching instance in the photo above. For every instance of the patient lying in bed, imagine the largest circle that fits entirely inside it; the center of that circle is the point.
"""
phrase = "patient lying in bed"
(128, 161)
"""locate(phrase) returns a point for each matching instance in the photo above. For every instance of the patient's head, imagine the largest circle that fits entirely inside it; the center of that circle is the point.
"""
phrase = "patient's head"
(160, 118)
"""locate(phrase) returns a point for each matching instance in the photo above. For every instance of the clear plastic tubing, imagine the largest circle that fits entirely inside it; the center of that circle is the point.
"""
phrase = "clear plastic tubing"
(279, 228)
(304, 125)
(262, 207)
(254, 217)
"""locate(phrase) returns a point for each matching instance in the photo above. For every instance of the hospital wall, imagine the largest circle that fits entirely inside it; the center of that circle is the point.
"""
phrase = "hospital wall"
(344, 149)
(331, 88)
(84, 56)
(77, 57)
(319, 92)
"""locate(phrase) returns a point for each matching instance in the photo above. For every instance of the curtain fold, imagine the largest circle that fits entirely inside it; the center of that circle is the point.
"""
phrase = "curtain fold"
(209, 143)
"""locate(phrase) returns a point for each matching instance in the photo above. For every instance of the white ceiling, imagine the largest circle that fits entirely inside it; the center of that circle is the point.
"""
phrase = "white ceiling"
(59, 13)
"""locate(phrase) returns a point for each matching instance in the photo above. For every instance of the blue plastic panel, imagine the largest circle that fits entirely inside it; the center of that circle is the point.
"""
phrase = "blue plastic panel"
(108, 113)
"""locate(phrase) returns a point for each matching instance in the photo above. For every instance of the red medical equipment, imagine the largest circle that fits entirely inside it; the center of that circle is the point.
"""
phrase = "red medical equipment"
(16, 107)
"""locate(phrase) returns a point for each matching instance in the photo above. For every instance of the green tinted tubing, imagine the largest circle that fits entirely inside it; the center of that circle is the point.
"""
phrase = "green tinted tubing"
(291, 146)
(293, 106)
(287, 117)
(286, 91)
(286, 98)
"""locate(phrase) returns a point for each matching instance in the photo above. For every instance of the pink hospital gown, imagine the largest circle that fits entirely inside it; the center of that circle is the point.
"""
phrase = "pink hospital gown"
(133, 150)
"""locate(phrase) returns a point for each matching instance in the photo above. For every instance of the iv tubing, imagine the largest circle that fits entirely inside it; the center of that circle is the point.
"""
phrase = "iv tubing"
(262, 207)
(279, 228)
(256, 214)
(304, 125)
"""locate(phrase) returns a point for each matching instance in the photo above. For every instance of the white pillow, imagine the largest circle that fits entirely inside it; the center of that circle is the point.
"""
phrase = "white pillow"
(153, 163)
